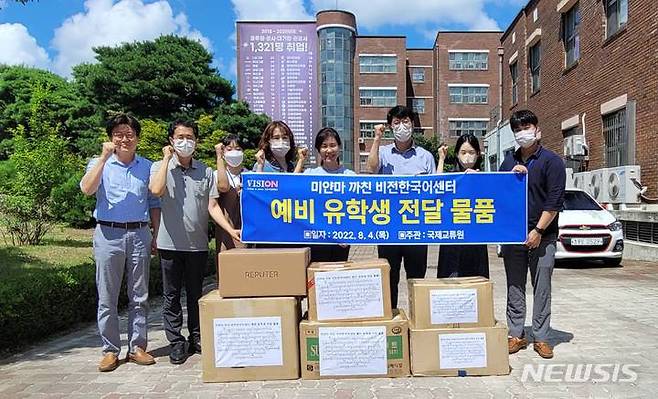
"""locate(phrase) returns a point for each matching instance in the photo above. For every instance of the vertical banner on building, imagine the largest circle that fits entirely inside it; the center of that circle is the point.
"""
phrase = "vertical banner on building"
(277, 73)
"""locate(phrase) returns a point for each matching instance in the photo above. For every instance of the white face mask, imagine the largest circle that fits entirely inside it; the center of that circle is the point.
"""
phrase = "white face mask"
(280, 147)
(526, 138)
(234, 157)
(467, 160)
(402, 132)
(184, 147)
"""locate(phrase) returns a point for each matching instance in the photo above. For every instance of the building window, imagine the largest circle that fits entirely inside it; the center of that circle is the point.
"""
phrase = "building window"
(378, 97)
(367, 130)
(535, 66)
(514, 73)
(460, 127)
(570, 35)
(378, 64)
(468, 94)
(417, 75)
(616, 138)
(469, 61)
(418, 105)
(616, 15)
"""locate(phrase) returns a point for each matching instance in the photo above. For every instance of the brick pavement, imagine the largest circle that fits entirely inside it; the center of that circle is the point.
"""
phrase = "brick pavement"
(600, 316)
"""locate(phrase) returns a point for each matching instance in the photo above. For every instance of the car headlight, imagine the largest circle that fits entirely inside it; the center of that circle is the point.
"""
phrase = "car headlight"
(615, 226)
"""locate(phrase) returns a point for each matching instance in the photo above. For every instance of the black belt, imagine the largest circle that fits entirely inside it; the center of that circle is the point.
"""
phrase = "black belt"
(126, 226)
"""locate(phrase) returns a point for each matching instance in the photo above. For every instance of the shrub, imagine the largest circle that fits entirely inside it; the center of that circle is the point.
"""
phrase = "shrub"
(36, 302)
(70, 205)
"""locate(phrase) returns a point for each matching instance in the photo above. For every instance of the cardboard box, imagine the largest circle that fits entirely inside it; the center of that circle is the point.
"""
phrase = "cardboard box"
(355, 349)
(349, 291)
(461, 302)
(247, 339)
(251, 272)
(459, 351)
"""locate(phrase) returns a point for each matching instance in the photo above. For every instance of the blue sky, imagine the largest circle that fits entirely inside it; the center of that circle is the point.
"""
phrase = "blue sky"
(58, 34)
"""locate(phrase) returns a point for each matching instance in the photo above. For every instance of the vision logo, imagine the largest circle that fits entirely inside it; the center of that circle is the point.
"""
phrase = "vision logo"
(263, 184)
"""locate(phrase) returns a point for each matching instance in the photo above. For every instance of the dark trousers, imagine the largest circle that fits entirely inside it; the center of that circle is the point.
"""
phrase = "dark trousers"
(415, 264)
(329, 253)
(180, 267)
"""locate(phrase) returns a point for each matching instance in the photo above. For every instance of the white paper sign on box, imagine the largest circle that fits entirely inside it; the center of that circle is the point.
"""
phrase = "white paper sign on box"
(349, 294)
(248, 341)
(454, 306)
(352, 350)
(462, 351)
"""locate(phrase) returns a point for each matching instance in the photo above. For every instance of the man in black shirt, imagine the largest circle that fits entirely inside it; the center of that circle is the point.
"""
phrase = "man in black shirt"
(546, 181)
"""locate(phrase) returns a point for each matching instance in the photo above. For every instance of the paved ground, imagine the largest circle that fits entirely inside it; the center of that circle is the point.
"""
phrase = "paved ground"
(601, 316)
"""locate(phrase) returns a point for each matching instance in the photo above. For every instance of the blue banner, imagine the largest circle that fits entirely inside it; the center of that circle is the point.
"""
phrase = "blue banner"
(455, 208)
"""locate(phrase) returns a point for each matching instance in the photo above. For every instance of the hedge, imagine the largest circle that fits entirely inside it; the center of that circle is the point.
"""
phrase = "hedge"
(40, 302)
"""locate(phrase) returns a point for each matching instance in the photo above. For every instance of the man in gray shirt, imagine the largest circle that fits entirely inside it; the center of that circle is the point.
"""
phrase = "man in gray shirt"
(402, 157)
(185, 187)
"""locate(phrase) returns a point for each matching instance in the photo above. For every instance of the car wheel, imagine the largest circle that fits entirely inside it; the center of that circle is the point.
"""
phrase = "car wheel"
(612, 262)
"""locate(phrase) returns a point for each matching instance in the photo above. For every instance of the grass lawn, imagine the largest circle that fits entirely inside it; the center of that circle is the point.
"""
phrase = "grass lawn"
(61, 247)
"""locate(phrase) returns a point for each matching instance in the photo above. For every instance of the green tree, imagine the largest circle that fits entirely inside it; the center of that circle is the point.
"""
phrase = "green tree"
(162, 79)
(42, 162)
(61, 104)
(238, 119)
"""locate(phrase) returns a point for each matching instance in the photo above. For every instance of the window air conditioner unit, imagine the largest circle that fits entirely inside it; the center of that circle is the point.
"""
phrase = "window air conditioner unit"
(598, 185)
(568, 147)
(581, 180)
(621, 189)
(578, 145)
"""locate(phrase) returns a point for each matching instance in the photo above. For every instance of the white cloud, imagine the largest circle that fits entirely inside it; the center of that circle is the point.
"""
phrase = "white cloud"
(105, 23)
(270, 10)
(372, 14)
(18, 47)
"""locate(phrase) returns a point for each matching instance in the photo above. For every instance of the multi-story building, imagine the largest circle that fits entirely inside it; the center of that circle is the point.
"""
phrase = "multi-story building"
(467, 80)
(451, 87)
(586, 68)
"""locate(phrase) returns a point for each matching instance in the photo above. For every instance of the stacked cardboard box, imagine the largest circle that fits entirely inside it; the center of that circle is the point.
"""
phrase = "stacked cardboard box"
(453, 331)
(249, 326)
(351, 330)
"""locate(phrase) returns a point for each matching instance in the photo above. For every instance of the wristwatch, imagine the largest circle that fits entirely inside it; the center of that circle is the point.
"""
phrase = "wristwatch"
(540, 231)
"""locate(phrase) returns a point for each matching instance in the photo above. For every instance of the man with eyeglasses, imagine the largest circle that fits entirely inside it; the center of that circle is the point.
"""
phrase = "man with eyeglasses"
(402, 157)
(122, 240)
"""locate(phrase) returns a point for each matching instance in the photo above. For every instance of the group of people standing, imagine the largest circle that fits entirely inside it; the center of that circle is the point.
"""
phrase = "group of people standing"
(164, 207)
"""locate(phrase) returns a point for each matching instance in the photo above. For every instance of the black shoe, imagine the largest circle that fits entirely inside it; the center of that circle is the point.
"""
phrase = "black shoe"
(194, 346)
(178, 354)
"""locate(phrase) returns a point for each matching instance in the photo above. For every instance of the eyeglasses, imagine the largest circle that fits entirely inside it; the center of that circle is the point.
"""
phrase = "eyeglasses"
(122, 135)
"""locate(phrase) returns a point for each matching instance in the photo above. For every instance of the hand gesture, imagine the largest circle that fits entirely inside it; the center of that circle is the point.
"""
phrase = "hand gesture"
(302, 153)
(108, 150)
(260, 157)
(167, 152)
(379, 131)
(219, 150)
(443, 151)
